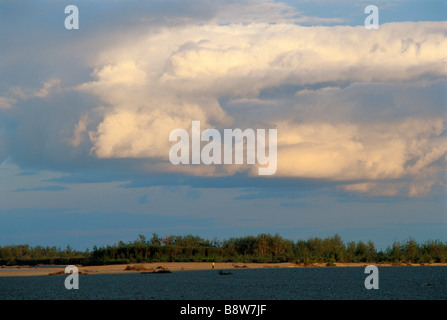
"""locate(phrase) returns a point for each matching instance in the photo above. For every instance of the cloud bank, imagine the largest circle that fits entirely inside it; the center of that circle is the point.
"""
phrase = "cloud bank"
(176, 75)
(361, 107)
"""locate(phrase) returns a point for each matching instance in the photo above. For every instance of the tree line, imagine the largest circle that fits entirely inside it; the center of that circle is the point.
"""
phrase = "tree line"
(263, 248)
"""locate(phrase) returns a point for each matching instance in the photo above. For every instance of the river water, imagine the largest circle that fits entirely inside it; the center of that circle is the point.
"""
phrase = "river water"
(339, 283)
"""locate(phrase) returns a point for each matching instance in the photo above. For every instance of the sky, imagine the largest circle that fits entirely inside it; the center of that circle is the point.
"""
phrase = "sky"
(86, 114)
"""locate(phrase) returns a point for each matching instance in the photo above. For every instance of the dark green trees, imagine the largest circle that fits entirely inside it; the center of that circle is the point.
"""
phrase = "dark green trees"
(261, 248)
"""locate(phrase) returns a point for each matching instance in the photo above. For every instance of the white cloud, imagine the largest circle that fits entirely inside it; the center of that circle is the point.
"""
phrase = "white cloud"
(79, 130)
(175, 75)
(376, 152)
(7, 102)
(265, 11)
(50, 86)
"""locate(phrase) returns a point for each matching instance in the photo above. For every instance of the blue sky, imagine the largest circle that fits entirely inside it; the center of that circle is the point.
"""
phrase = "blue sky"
(85, 117)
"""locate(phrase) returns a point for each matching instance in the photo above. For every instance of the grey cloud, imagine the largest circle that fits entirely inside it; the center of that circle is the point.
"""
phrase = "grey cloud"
(44, 188)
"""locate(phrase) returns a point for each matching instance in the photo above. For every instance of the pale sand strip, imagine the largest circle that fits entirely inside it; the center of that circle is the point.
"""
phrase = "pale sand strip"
(176, 266)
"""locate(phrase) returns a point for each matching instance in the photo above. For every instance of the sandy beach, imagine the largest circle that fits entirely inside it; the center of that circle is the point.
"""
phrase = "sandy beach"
(14, 271)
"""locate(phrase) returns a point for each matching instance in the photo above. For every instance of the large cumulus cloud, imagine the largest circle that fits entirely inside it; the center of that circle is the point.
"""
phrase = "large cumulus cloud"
(363, 108)
(348, 119)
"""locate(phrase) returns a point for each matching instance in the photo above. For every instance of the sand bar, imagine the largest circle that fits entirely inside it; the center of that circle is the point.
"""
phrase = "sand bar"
(8, 271)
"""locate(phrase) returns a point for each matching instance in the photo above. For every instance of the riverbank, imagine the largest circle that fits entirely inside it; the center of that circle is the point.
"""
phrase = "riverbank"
(13, 271)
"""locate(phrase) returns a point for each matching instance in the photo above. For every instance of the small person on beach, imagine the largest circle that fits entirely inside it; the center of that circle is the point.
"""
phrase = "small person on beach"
(213, 265)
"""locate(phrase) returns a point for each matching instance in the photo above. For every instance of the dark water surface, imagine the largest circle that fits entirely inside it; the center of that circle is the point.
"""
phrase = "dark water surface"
(420, 283)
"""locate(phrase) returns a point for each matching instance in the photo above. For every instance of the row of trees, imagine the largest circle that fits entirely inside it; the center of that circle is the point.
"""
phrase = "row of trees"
(24, 255)
(262, 248)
